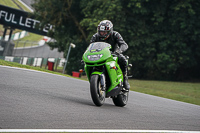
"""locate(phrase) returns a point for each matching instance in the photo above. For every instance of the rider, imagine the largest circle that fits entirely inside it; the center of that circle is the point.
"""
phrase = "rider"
(106, 34)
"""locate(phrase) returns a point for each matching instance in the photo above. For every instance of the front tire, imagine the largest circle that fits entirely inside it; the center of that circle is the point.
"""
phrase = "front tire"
(97, 94)
(121, 99)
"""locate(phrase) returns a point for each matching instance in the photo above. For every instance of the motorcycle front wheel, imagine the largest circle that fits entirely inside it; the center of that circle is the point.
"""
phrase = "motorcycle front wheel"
(121, 99)
(97, 94)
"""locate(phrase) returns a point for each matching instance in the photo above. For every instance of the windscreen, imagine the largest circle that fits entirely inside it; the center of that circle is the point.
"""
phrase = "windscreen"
(98, 46)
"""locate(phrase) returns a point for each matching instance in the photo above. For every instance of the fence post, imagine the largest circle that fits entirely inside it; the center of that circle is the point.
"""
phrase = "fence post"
(41, 63)
(23, 48)
(46, 63)
(57, 61)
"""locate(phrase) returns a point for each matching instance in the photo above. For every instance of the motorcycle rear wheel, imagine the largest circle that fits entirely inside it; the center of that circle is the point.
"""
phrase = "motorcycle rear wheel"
(97, 94)
(121, 99)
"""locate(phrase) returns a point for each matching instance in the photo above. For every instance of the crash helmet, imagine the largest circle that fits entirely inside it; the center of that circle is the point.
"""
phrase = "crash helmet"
(104, 29)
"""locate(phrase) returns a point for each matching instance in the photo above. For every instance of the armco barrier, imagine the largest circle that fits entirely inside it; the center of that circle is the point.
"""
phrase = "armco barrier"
(37, 62)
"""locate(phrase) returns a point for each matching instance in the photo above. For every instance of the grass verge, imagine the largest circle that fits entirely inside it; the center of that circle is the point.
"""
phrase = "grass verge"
(9, 3)
(14, 4)
(180, 91)
(31, 36)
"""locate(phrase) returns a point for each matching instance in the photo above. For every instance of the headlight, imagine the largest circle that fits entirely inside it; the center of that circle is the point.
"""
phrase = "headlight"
(94, 57)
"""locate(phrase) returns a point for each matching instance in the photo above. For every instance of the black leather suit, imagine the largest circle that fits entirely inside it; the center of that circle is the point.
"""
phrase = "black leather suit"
(117, 42)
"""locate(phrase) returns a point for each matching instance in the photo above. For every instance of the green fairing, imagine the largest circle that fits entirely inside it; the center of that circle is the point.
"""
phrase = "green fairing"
(107, 60)
(97, 73)
(115, 75)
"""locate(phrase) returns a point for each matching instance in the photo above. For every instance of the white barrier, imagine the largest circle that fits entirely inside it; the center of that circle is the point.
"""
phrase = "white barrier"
(17, 35)
(23, 33)
(36, 61)
(25, 59)
(9, 58)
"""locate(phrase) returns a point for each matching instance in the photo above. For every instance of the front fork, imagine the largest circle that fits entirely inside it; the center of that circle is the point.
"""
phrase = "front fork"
(103, 82)
(102, 79)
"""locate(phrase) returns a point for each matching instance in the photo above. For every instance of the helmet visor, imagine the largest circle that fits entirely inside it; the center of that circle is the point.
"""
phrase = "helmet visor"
(103, 33)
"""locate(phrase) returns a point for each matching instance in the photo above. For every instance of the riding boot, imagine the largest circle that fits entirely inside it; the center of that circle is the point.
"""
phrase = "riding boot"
(126, 84)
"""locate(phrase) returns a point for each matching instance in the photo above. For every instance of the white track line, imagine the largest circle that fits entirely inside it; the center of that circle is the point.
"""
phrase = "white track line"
(95, 130)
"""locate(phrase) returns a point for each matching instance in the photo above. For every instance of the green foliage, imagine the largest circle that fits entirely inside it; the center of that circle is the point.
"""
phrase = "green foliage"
(165, 43)
(163, 35)
(66, 16)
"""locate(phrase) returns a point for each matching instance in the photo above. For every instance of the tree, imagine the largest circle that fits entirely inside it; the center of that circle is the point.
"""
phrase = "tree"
(163, 36)
(65, 16)
(166, 39)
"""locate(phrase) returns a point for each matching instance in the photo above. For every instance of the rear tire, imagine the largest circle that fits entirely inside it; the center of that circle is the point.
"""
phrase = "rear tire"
(121, 99)
(98, 96)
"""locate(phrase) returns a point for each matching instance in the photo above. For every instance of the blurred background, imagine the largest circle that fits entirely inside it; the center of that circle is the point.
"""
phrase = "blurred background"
(163, 35)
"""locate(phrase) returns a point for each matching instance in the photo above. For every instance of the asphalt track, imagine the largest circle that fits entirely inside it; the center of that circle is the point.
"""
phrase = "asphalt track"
(36, 100)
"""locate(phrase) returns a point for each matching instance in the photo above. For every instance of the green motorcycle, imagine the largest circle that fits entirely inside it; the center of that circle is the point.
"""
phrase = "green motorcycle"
(104, 75)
